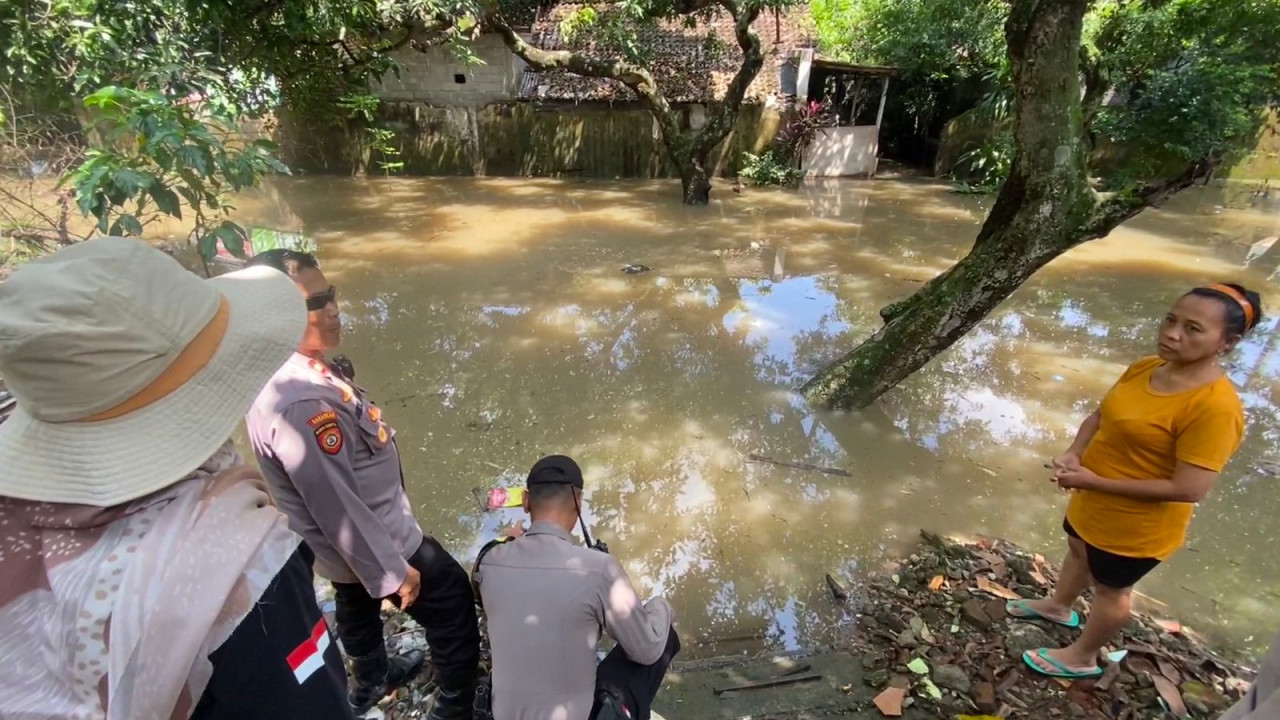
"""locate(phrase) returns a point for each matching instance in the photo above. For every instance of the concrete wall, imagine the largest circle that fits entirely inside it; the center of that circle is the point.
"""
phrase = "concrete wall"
(433, 76)
(516, 139)
(842, 152)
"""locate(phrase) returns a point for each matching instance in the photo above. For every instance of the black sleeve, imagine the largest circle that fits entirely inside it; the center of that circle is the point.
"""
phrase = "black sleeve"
(281, 662)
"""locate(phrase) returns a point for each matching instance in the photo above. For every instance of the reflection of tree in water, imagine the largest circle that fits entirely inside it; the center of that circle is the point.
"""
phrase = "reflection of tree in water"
(661, 395)
(661, 391)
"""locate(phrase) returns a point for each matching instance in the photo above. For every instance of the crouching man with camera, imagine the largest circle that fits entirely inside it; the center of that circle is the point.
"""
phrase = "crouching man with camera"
(548, 600)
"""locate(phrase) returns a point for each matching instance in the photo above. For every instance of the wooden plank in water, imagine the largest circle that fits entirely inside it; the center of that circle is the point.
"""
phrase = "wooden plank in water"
(775, 682)
(808, 467)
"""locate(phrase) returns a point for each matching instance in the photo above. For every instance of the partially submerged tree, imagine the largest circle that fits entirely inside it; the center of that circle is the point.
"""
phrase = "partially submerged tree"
(604, 44)
(1195, 77)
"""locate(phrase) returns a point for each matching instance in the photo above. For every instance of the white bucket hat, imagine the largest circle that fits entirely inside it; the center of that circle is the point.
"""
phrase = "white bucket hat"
(129, 370)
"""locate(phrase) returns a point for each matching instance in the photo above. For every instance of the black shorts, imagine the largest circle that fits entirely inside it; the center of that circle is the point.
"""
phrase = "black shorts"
(1109, 569)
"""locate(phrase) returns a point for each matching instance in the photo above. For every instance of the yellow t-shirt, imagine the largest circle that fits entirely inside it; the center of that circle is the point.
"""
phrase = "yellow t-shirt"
(1142, 437)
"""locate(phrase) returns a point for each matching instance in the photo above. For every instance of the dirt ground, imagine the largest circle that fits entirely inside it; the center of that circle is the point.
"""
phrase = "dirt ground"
(931, 639)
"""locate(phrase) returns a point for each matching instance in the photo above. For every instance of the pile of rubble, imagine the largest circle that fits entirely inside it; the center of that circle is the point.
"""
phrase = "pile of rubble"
(933, 640)
(934, 634)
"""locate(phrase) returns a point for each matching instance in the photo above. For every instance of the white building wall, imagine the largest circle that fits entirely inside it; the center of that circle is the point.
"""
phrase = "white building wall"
(438, 77)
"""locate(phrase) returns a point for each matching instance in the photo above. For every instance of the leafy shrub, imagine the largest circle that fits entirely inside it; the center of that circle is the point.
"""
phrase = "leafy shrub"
(160, 153)
(769, 168)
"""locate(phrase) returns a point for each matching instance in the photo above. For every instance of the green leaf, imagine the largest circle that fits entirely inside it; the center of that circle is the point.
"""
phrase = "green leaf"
(197, 158)
(191, 180)
(277, 166)
(127, 183)
(109, 96)
(167, 201)
(233, 237)
(126, 225)
(191, 196)
(208, 245)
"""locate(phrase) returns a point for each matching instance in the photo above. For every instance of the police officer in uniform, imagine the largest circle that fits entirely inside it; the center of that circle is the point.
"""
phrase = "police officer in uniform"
(548, 600)
(332, 466)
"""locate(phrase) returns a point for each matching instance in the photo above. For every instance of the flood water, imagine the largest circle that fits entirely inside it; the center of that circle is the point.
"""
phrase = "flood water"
(493, 322)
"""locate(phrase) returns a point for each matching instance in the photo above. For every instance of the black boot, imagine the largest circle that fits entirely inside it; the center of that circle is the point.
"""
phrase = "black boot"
(452, 704)
(376, 675)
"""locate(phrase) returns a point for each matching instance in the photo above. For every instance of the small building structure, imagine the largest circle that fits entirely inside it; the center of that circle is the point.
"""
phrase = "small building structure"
(439, 77)
(855, 96)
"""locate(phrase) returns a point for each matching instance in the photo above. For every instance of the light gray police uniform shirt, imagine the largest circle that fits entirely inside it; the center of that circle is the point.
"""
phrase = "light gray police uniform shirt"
(332, 467)
(547, 601)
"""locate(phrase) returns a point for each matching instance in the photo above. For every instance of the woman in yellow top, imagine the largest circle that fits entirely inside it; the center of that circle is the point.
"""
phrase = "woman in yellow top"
(1138, 466)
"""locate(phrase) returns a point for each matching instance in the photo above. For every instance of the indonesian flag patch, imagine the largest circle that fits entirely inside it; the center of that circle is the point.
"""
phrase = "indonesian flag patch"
(328, 434)
(309, 656)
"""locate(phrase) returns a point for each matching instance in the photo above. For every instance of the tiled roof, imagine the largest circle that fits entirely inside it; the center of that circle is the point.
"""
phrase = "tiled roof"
(690, 64)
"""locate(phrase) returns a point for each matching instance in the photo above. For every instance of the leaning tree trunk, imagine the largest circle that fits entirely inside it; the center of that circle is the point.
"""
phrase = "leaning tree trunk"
(1044, 208)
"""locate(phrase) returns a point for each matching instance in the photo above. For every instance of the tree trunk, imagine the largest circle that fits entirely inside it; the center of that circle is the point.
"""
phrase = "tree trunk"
(1044, 208)
(939, 315)
(689, 151)
(695, 182)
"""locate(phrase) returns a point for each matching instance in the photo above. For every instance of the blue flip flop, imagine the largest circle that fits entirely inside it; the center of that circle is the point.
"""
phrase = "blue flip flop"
(1063, 670)
(1028, 614)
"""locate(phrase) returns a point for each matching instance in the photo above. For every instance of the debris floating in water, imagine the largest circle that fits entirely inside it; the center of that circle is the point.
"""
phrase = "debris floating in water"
(837, 590)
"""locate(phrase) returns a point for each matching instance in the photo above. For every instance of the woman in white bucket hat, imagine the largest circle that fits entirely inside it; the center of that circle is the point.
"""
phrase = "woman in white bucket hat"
(143, 572)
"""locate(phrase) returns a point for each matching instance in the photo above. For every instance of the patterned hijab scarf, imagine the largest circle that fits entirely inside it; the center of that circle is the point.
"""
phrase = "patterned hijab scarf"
(112, 612)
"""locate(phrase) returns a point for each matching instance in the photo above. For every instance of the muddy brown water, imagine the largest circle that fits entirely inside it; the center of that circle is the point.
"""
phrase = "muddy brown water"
(493, 322)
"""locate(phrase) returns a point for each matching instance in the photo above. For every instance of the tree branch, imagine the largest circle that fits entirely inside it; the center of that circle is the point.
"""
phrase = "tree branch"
(1095, 86)
(1116, 209)
(422, 35)
(722, 122)
(634, 76)
(266, 8)
(682, 7)
(393, 45)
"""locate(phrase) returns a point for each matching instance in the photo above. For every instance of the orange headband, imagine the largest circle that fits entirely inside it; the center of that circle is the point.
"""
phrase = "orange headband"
(190, 361)
(1239, 297)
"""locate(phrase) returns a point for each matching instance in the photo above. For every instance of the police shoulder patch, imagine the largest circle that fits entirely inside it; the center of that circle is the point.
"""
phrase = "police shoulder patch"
(328, 434)
(323, 418)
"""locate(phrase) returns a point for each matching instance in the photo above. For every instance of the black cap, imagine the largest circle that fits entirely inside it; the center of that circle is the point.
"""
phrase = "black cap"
(555, 470)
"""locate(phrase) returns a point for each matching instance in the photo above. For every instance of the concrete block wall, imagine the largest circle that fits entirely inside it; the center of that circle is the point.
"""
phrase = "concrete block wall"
(438, 77)
(514, 139)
